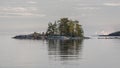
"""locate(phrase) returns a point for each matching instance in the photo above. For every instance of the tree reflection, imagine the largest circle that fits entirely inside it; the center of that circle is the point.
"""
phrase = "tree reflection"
(65, 49)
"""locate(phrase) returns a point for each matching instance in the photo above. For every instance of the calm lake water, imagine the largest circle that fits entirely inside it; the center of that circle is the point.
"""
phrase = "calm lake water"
(91, 53)
(97, 17)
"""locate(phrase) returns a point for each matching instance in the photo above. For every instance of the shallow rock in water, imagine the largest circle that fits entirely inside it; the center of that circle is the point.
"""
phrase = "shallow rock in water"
(24, 37)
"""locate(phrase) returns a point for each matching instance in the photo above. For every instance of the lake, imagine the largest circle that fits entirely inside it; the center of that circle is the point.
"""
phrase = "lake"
(88, 53)
(97, 17)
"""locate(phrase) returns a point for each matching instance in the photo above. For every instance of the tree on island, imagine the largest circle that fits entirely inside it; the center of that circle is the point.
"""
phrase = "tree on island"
(65, 27)
(62, 29)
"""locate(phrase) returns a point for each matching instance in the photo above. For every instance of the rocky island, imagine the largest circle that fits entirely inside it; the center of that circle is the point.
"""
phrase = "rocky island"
(114, 35)
(62, 29)
(33, 36)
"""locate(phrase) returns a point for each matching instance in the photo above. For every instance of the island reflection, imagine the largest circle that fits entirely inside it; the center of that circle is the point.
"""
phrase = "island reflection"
(64, 49)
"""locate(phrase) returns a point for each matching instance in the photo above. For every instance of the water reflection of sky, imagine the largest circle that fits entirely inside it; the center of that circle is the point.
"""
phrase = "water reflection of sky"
(65, 49)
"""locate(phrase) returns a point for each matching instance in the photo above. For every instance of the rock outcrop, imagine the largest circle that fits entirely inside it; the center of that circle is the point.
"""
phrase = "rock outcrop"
(35, 35)
(114, 34)
(38, 36)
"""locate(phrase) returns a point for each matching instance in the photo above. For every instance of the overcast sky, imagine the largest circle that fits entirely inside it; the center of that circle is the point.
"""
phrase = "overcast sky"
(96, 16)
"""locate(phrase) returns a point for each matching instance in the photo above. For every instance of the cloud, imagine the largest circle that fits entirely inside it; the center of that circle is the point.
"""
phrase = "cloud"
(31, 2)
(13, 9)
(112, 4)
(19, 11)
(87, 8)
(109, 4)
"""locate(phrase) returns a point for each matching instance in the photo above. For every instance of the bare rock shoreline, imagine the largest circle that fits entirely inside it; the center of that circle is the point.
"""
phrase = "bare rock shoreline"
(38, 36)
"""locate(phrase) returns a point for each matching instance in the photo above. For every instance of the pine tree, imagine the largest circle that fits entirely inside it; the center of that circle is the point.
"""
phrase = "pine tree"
(65, 27)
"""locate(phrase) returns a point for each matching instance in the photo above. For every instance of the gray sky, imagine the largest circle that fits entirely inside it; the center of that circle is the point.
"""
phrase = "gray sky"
(96, 16)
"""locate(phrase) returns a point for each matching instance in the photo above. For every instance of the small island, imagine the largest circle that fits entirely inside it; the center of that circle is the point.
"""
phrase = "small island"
(114, 35)
(62, 29)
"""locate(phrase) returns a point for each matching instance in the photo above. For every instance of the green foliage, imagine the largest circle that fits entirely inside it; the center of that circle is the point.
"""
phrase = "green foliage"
(52, 29)
(65, 27)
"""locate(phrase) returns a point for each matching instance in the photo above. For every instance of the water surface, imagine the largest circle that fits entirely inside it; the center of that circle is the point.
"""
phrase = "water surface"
(91, 53)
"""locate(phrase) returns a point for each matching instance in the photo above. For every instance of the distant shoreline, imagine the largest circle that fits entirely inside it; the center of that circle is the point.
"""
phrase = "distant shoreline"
(114, 35)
